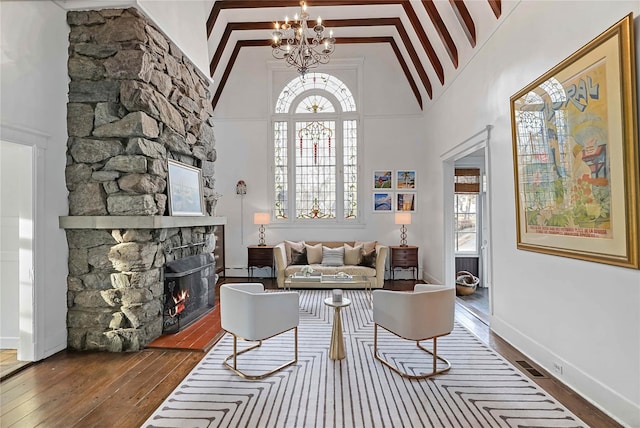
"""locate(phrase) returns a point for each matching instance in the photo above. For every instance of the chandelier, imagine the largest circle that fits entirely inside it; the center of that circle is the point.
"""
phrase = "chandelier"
(299, 46)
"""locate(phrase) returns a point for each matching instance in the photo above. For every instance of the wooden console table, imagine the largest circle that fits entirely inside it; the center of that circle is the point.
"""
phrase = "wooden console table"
(260, 256)
(404, 257)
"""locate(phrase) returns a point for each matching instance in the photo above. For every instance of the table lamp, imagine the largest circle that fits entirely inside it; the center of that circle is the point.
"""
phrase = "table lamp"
(261, 219)
(403, 219)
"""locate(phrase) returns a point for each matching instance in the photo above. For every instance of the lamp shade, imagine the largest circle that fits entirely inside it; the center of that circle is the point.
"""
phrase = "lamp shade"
(403, 218)
(261, 218)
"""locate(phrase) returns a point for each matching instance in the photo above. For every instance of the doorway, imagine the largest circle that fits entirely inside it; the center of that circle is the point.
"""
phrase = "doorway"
(16, 255)
(467, 214)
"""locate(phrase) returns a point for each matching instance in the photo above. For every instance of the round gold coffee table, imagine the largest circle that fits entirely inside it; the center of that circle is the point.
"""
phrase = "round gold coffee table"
(336, 350)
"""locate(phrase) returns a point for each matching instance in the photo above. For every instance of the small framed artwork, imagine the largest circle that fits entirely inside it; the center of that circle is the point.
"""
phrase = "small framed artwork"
(185, 190)
(406, 201)
(382, 202)
(382, 179)
(405, 179)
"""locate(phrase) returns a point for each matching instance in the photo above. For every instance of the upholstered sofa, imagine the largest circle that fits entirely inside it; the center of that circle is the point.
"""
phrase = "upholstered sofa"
(367, 258)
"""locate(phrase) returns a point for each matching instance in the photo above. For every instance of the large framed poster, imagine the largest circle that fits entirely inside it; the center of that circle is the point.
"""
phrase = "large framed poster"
(575, 150)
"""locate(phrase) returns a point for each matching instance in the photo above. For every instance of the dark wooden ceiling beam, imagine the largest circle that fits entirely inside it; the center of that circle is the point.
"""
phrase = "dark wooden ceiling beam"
(220, 5)
(465, 19)
(442, 30)
(422, 36)
(414, 57)
(496, 7)
(242, 43)
(230, 28)
(404, 36)
(227, 71)
(336, 23)
(460, 9)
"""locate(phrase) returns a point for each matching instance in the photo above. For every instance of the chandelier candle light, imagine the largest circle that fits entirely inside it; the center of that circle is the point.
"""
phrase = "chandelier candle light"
(291, 42)
(261, 219)
(403, 219)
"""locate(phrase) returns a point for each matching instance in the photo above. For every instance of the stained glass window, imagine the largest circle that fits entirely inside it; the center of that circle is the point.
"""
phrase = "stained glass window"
(280, 169)
(319, 81)
(315, 151)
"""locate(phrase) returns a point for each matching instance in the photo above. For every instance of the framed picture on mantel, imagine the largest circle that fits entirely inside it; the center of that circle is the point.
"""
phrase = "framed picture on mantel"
(185, 190)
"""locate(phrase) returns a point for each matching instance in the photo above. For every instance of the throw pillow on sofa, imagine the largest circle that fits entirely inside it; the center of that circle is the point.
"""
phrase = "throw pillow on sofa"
(299, 257)
(352, 255)
(314, 253)
(367, 246)
(332, 256)
(368, 259)
(288, 245)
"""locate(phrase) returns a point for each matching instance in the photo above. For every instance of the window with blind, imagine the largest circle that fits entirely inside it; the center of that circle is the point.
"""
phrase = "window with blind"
(467, 189)
(315, 152)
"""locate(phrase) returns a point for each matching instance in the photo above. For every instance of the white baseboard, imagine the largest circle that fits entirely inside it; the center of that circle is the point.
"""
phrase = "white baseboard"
(430, 279)
(54, 349)
(600, 395)
(9, 342)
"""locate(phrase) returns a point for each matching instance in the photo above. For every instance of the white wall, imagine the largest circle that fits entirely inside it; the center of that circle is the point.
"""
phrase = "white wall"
(185, 22)
(33, 105)
(392, 134)
(585, 316)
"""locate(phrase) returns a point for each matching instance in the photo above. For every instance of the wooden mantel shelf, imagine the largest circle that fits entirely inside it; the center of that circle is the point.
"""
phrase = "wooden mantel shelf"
(137, 222)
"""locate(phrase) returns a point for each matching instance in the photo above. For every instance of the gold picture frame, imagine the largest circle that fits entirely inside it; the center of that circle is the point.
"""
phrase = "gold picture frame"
(575, 153)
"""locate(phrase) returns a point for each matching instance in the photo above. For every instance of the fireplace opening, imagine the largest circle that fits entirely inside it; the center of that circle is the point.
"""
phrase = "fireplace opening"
(189, 291)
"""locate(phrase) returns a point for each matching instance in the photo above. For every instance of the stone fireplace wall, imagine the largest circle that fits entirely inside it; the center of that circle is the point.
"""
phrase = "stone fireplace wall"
(135, 101)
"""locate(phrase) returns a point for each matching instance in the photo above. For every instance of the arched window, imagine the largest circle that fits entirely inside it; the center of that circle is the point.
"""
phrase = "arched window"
(315, 152)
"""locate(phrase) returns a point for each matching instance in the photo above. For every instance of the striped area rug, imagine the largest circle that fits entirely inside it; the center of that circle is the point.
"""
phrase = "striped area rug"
(482, 389)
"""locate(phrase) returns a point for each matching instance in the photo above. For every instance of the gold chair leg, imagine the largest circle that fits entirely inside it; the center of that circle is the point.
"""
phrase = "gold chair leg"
(434, 354)
(234, 367)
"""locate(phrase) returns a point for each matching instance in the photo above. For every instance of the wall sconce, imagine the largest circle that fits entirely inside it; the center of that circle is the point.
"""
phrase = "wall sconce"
(403, 219)
(261, 219)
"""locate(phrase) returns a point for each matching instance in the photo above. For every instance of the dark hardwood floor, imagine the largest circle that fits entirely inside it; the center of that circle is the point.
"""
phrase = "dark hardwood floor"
(9, 363)
(99, 389)
(477, 303)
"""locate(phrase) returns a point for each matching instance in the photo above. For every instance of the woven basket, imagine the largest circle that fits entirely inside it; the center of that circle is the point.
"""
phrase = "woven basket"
(466, 283)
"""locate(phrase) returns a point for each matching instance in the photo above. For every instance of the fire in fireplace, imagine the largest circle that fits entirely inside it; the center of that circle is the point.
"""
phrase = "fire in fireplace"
(189, 291)
(179, 303)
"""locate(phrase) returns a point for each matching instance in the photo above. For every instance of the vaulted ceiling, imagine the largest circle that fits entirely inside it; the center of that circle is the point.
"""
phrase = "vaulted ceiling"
(430, 39)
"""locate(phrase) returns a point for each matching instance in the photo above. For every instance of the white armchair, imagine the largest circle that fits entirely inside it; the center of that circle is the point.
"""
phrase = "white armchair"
(427, 313)
(248, 313)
